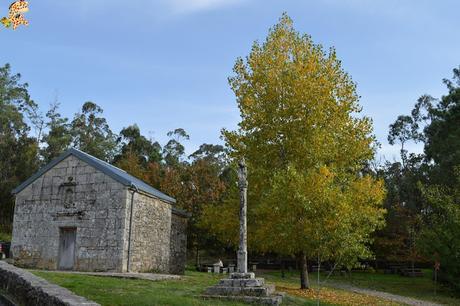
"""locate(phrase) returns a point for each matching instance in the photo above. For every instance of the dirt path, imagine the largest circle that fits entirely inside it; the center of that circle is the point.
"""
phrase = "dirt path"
(384, 295)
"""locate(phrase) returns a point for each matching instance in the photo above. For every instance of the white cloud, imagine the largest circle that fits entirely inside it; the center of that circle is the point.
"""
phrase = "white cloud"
(158, 7)
(403, 11)
(191, 6)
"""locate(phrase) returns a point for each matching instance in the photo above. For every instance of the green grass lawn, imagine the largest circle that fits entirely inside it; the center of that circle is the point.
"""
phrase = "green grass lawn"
(422, 288)
(117, 291)
(418, 287)
(328, 295)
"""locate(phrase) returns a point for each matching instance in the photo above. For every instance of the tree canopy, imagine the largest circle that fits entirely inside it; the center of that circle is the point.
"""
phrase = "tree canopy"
(306, 146)
(18, 150)
(423, 199)
(92, 134)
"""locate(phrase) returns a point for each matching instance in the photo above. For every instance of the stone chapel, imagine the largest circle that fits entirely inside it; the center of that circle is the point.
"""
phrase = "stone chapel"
(81, 213)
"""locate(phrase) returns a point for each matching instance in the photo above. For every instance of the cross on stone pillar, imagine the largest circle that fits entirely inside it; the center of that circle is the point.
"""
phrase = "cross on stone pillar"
(243, 188)
(242, 285)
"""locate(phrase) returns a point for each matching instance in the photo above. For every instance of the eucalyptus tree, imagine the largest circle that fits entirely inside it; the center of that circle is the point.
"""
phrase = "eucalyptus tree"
(91, 132)
(58, 136)
(18, 150)
(133, 142)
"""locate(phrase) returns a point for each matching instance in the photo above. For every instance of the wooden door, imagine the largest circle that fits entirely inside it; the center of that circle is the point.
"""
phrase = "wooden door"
(67, 248)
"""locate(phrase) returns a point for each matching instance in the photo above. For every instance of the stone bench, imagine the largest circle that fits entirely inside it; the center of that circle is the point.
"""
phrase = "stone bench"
(412, 273)
(215, 268)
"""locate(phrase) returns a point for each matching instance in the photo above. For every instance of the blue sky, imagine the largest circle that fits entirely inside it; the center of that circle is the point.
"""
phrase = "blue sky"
(164, 64)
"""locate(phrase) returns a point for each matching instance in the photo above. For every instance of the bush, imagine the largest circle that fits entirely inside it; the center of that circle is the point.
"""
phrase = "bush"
(5, 236)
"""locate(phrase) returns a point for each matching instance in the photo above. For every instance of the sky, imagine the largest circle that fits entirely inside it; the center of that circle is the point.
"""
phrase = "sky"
(164, 64)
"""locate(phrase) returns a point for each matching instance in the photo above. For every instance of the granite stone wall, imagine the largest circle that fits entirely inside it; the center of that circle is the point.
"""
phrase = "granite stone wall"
(150, 236)
(76, 195)
(71, 194)
(178, 244)
(28, 289)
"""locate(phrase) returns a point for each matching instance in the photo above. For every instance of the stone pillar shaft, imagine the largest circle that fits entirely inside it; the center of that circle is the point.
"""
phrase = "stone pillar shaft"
(243, 247)
(244, 286)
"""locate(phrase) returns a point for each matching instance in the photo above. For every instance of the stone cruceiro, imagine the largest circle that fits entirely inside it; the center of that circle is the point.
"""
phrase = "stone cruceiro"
(243, 285)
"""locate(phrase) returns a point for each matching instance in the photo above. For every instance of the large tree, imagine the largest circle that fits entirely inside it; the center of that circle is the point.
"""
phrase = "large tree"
(58, 136)
(397, 241)
(306, 145)
(134, 143)
(439, 239)
(426, 186)
(92, 134)
(194, 184)
(18, 151)
(442, 134)
(174, 150)
(441, 213)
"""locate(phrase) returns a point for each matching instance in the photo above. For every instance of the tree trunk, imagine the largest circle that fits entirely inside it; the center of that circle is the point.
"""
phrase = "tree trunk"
(282, 269)
(197, 258)
(304, 281)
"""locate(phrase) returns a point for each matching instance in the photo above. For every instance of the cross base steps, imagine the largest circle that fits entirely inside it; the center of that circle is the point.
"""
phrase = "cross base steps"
(244, 287)
(271, 300)
(239, 275)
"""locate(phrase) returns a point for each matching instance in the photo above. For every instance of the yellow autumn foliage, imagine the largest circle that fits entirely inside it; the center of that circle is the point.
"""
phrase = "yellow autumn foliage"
(306, 145)
(337, 297)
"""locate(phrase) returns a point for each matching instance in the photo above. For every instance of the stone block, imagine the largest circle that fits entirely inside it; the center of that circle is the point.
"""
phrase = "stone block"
(272, 300)
(238, 275)
(243, 282)
(244, 287)
(245, 291)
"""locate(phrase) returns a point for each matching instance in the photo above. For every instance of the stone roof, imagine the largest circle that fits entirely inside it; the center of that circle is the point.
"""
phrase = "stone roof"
(117, 174)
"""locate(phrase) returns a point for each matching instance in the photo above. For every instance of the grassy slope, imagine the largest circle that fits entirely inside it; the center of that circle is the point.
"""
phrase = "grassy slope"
(116, 291)
(327, 295)
(420, 287)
